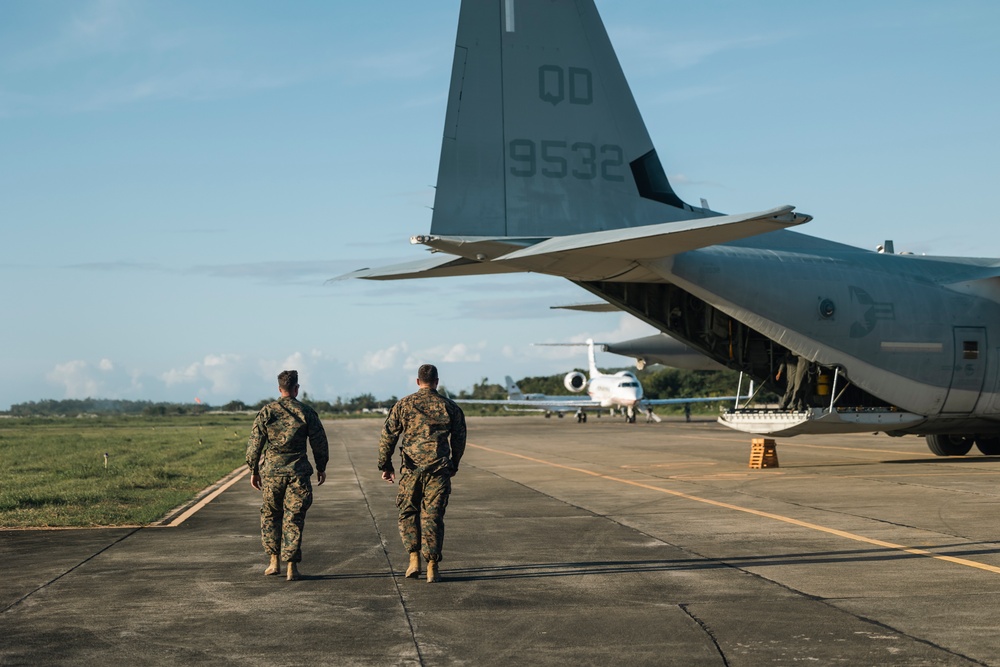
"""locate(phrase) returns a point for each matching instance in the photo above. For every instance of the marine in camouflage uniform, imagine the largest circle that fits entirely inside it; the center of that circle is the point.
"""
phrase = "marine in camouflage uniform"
(433, 434)
(280, 432)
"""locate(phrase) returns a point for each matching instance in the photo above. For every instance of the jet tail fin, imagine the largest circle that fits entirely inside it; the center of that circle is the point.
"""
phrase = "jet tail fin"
(592, 359)
(514, 392)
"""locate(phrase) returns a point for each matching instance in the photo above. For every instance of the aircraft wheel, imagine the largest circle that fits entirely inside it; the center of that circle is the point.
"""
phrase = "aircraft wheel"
(548, 415)
(631, 418)
(949, 445)
(988, 446)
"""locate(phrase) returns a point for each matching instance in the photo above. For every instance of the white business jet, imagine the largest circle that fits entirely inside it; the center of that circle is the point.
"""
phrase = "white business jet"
(619, 391)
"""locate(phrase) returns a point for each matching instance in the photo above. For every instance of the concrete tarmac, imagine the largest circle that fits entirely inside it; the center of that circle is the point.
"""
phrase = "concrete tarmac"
(585, 544)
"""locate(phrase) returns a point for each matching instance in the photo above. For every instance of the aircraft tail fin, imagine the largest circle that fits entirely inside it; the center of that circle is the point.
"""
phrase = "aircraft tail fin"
(514, 392)
(542, 136)
(592, 359)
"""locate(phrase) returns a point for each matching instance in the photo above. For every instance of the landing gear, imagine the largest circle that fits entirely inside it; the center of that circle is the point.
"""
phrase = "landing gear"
(630, 415)
(950, 445)
(988, 446)
(581, 417)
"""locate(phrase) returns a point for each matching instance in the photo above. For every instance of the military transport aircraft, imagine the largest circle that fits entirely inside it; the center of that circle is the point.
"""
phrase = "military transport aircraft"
(621, 390)
(546, 166)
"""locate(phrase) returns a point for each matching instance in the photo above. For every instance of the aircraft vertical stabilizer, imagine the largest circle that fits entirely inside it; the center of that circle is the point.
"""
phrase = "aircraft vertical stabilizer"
(591, 357)
(542, 136)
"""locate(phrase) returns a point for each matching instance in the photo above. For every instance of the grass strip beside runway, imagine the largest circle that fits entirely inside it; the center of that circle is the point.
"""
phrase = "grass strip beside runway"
(53, 471)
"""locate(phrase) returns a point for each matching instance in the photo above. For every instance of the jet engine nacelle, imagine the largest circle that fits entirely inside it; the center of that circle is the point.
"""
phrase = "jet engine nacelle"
(575, 381)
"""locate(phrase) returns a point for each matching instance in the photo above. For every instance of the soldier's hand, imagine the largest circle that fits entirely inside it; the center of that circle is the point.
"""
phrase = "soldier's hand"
(389, 476)
(255, 480)
(320, 478)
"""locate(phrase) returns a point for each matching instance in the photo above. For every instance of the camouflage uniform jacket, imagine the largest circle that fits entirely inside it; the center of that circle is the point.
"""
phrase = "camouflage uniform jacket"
(280, 432)
(427, 421)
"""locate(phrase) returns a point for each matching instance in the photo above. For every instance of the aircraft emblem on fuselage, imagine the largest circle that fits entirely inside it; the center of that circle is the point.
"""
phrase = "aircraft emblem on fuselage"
(873, 311)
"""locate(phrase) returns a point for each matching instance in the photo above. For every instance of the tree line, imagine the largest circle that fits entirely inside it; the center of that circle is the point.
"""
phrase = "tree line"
(657, 382)
(72, 407)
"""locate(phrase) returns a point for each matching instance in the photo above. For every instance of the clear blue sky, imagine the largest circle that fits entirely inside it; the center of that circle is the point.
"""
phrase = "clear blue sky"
(179, 179)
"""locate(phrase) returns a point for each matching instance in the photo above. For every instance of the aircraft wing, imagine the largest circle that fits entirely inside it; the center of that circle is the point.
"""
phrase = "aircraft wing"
(549, 405)
(681, 401)
(700, 399)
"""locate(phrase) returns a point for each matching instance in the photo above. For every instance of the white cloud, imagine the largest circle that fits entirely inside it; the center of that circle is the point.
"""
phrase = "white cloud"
(219, 374)
(101, 379)
(181, 375)
(380, 360)
(458, 353)
(76, 379)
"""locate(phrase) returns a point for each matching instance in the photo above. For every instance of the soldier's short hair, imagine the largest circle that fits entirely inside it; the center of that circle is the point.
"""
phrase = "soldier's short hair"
(288, 380)
(427, 374)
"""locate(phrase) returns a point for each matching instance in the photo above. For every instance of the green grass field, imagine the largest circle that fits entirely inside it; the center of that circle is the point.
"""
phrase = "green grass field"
(52, 471)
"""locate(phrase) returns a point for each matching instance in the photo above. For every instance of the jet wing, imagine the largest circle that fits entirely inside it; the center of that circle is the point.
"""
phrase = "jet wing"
(681, 401)
(552, 406)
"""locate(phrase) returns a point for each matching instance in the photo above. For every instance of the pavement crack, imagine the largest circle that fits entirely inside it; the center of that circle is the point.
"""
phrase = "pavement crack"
(707, 630)
(75, 567)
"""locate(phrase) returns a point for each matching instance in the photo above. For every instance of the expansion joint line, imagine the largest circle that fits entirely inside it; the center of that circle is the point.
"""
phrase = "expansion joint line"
(78, 565)
(388, 562)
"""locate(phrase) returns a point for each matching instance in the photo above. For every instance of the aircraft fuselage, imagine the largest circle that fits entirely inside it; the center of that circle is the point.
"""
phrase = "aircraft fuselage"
(909, 331)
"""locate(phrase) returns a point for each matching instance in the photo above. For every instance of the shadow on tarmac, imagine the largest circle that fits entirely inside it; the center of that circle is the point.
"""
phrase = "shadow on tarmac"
(948, 459)
(575, 569)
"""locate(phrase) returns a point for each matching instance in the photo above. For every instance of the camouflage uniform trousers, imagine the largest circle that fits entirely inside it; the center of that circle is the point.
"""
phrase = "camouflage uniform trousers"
(283, 515)
(421, 500)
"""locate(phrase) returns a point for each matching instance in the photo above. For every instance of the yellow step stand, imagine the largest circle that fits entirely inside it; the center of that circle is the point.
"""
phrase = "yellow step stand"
(763, 453)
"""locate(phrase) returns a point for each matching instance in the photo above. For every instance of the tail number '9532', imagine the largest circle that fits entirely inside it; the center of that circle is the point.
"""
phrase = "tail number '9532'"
(560, 159)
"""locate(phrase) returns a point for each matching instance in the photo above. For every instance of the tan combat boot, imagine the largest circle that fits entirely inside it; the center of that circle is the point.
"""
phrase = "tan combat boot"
(273, 567)
(293, 572)
(433, 576)
(413, 571)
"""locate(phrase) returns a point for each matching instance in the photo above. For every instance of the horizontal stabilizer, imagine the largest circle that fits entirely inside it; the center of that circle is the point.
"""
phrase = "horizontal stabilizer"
(438, 266)
(571, 256)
